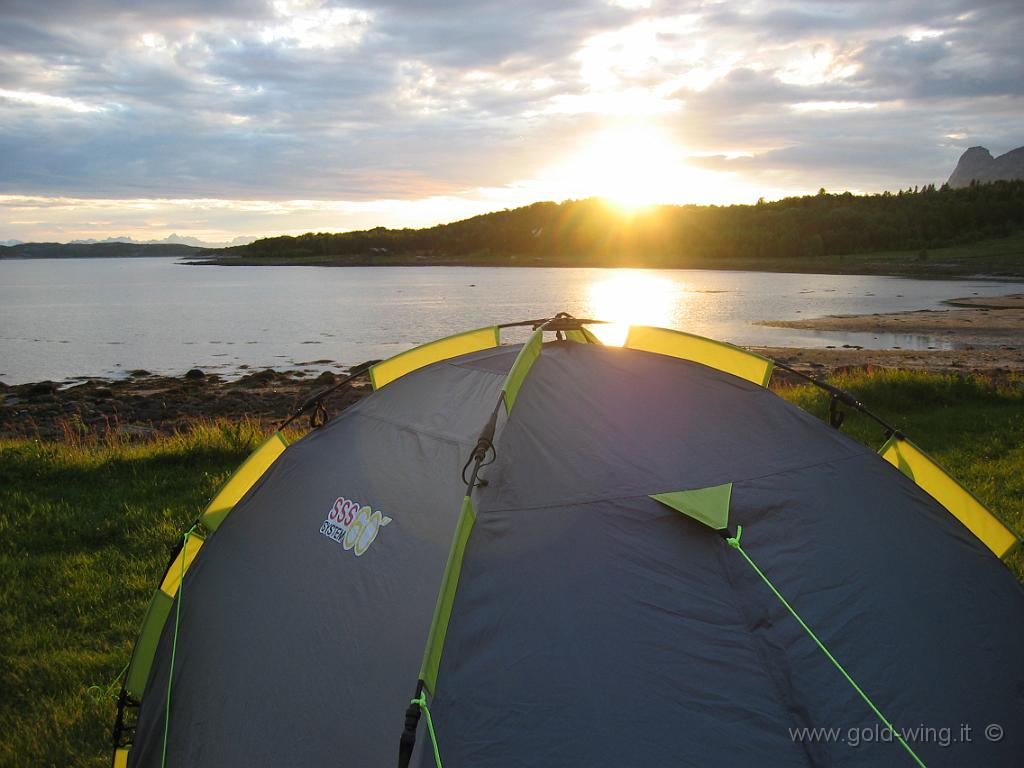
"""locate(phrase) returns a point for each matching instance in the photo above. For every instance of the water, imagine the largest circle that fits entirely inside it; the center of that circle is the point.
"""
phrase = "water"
(67, 318)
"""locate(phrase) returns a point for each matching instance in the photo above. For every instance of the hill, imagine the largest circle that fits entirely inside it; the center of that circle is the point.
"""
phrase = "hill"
(793, 234)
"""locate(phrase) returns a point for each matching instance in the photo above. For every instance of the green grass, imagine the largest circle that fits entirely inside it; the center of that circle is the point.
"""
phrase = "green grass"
(87, 525)
(86, 529)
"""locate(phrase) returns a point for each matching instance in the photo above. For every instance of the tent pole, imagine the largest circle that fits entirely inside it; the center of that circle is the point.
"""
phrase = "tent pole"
(841, 395)
(318, 397)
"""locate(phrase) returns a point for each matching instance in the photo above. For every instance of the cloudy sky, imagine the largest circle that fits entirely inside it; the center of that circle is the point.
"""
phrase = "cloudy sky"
(225, 118)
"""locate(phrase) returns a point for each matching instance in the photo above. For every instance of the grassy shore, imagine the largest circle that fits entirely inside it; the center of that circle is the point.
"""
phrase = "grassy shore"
(86, 526)
(1002, 257)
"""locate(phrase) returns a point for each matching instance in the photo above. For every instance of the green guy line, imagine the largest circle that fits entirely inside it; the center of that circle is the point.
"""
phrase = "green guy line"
(734, 542)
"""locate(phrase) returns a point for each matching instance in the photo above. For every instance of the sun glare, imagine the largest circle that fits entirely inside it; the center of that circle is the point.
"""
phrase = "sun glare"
(638, 166)
(630, 167)
(632, 297)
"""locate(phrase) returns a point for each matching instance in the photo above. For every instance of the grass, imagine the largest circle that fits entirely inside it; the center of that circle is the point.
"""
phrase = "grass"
(86, 529)
(87, 524)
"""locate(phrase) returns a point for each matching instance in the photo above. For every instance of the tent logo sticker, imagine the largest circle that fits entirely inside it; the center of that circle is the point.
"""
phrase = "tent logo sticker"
(353, 525)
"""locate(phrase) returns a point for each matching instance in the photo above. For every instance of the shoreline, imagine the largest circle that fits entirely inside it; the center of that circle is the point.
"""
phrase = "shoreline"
(909, 270)
(790, 268)
(994, 258)
(989, 332)
(145, 404)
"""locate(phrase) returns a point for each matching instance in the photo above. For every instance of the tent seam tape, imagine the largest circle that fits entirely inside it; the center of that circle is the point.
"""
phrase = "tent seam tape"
(421, 432)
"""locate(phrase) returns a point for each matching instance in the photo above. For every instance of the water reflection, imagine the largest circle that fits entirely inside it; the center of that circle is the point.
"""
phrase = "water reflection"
(633, 297)
(73, 317)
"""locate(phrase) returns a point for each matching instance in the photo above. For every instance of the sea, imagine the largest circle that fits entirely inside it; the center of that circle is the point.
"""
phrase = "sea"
(66, 319)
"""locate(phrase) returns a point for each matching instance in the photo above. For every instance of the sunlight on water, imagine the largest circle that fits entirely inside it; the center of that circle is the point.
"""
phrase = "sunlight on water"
(632, 297)
(106, 317)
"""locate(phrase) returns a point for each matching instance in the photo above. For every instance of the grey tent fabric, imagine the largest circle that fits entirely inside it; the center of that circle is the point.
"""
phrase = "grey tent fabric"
(592, 625)
(291, 650)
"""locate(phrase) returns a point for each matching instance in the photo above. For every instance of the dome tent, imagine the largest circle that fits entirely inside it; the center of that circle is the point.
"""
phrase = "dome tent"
(577, 555)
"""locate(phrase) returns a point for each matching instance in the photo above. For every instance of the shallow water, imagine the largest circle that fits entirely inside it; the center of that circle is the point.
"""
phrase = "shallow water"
(62, 318)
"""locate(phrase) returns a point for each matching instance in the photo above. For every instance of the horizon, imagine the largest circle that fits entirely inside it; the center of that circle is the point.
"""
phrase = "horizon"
(614, 207)
(226, 120)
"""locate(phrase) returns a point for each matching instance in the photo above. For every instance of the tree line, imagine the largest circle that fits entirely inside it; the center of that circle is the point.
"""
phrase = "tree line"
(594, 230)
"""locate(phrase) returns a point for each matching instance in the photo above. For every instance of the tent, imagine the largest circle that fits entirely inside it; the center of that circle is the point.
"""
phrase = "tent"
(560, 553)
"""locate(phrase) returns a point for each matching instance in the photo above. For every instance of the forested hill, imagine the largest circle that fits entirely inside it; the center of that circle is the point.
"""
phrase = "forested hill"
(593, 232)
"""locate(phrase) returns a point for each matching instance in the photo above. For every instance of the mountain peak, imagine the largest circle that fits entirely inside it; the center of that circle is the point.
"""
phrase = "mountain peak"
(977, 164)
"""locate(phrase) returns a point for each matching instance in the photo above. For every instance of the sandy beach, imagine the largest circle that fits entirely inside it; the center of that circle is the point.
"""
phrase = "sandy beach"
(988, 335)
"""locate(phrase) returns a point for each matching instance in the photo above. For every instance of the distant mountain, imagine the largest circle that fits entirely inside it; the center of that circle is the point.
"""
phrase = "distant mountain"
(172, 245)
(174, 239)
(95, 250)
(977, 164)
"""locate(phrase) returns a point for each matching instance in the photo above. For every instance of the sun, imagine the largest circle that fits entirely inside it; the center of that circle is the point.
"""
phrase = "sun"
(632, 167)
(637, 165)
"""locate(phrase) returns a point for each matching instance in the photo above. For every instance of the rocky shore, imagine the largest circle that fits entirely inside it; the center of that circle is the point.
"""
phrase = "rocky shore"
(144, 404)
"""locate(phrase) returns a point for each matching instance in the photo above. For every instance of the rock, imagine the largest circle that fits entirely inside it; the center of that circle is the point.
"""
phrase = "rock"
(139, 373)
(42, 389)
(195, 374)
(977, 164)
(325, 378)
(260, 378)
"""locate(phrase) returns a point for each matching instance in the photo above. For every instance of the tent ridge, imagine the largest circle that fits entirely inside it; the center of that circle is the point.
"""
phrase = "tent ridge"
(697, 486)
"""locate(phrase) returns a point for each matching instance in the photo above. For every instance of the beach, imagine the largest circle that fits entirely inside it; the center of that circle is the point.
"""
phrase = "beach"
(987, 334)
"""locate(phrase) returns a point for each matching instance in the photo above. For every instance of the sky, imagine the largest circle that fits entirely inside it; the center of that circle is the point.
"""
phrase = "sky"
(221, 119)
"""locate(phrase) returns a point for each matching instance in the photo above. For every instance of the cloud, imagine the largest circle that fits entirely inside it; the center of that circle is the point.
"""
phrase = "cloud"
(404, 100)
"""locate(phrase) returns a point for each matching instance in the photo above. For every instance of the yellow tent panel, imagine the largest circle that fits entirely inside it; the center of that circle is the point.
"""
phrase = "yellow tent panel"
(245, 477)
(169, 586)
(919, 467)
(714, 354)
(443, 349)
